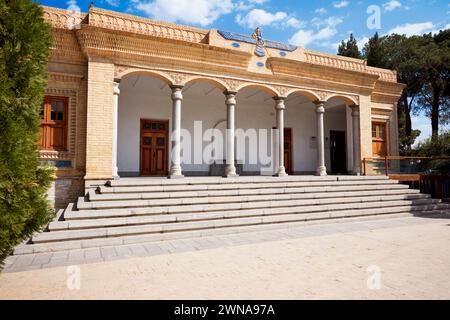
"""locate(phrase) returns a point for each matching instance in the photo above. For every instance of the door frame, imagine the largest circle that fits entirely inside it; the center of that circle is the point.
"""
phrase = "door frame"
(166, 160)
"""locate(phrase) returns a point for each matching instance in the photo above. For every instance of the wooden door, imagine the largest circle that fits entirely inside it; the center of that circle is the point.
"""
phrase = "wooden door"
(379, 140)
(288, 150)
(53, 135)
(154, 147)
(338, 152)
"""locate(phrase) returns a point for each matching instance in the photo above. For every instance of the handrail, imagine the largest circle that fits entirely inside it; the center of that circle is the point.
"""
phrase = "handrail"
(387, 158)
(407, 157)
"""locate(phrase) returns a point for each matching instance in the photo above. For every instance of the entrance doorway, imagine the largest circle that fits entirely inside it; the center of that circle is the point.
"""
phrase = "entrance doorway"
(288, 150)
(154, 147)
(337, 152)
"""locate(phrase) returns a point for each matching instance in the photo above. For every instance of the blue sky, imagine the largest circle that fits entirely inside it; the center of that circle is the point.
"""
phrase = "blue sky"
(317, 25)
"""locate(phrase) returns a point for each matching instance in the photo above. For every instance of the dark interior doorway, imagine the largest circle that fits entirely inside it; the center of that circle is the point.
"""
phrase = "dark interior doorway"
(338, 152)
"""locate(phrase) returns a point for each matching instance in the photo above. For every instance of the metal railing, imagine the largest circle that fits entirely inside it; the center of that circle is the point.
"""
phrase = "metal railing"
(429, 174)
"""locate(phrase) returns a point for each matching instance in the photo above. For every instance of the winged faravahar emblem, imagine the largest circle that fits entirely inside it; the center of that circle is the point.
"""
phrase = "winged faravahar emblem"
(260, 43)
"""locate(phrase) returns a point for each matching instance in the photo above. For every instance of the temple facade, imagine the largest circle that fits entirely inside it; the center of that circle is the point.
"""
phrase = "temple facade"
(129, 96)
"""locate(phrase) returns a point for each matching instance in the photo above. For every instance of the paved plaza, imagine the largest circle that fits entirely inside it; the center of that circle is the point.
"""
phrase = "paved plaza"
(394, 258)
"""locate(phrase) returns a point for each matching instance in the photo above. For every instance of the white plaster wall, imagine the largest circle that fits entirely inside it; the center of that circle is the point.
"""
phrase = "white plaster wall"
(133, 107)
(149, 98)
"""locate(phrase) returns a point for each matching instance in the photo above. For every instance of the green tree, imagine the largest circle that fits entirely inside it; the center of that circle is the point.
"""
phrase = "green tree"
(400, 53)
(374, 52)
(25, 40)
(349, 48)
(435, 71)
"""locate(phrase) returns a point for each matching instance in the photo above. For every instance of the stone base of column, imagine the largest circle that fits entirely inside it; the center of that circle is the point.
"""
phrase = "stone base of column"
(175, 176)
(230, 175)
(321, 171)
(230, 171)
(175, 173)
(281, 173)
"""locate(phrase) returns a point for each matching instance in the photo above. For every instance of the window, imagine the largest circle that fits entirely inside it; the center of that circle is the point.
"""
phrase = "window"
(54, 123)
(379, 140)
(378, 131)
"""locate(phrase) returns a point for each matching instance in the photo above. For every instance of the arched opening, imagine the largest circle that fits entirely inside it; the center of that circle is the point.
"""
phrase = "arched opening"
(255, 119)
(203, 124)
(144, 125)
(300, 133)
(338, 135)
(144, 73)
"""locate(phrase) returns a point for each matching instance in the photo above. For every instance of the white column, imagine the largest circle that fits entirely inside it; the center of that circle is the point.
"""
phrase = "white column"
(356, 140)
(279, 106)
(230, 169)
(116, 92)
(321, 169)
(175, 154)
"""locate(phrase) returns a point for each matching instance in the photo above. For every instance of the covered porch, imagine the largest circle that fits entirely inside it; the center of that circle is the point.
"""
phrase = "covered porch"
(202, 128)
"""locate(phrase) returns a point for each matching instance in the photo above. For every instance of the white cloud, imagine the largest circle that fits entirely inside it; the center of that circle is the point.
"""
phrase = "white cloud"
(392, 5)
(340, 4)
(242, 6)
(410, 29)
(361, 42)
(294, 23)
(202, 12)
(332, 21)
(260, 17)
(326, 29)
(248, 4)
(114, 3)
(320, 11)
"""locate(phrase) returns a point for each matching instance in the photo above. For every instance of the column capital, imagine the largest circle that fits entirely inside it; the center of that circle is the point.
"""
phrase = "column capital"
(116, 84)
(355, 110)
(177, 92)
(230, 98)
(320, 106)
(230, 92)
(279, 103)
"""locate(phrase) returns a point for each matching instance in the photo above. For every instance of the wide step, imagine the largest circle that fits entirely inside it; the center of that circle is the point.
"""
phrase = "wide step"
(140, 210)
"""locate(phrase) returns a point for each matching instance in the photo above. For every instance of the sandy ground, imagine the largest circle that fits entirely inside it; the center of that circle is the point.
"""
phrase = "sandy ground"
(410, 262)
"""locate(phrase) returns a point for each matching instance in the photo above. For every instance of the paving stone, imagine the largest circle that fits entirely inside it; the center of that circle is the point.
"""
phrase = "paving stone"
(138, 250)
(108, 252)
(124, 251)
(24, 260)
(76, 257)
(42, 258)
(153, 249)
(93, 254)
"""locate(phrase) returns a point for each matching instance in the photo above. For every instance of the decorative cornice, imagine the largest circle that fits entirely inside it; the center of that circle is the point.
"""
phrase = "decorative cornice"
(60, 18)
(65, 77)
(99, 42)
(65, 47)
(331, 77)
(387, 92)
(124, 22)
(347, 63)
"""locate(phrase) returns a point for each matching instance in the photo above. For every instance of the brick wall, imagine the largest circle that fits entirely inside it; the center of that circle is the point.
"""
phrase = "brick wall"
(99, 120)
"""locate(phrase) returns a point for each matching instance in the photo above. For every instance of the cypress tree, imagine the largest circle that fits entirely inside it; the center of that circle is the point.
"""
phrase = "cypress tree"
(25, 39)
(349, 48)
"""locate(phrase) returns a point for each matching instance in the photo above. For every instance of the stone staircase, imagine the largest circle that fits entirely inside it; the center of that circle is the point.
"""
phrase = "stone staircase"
(136, 210)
